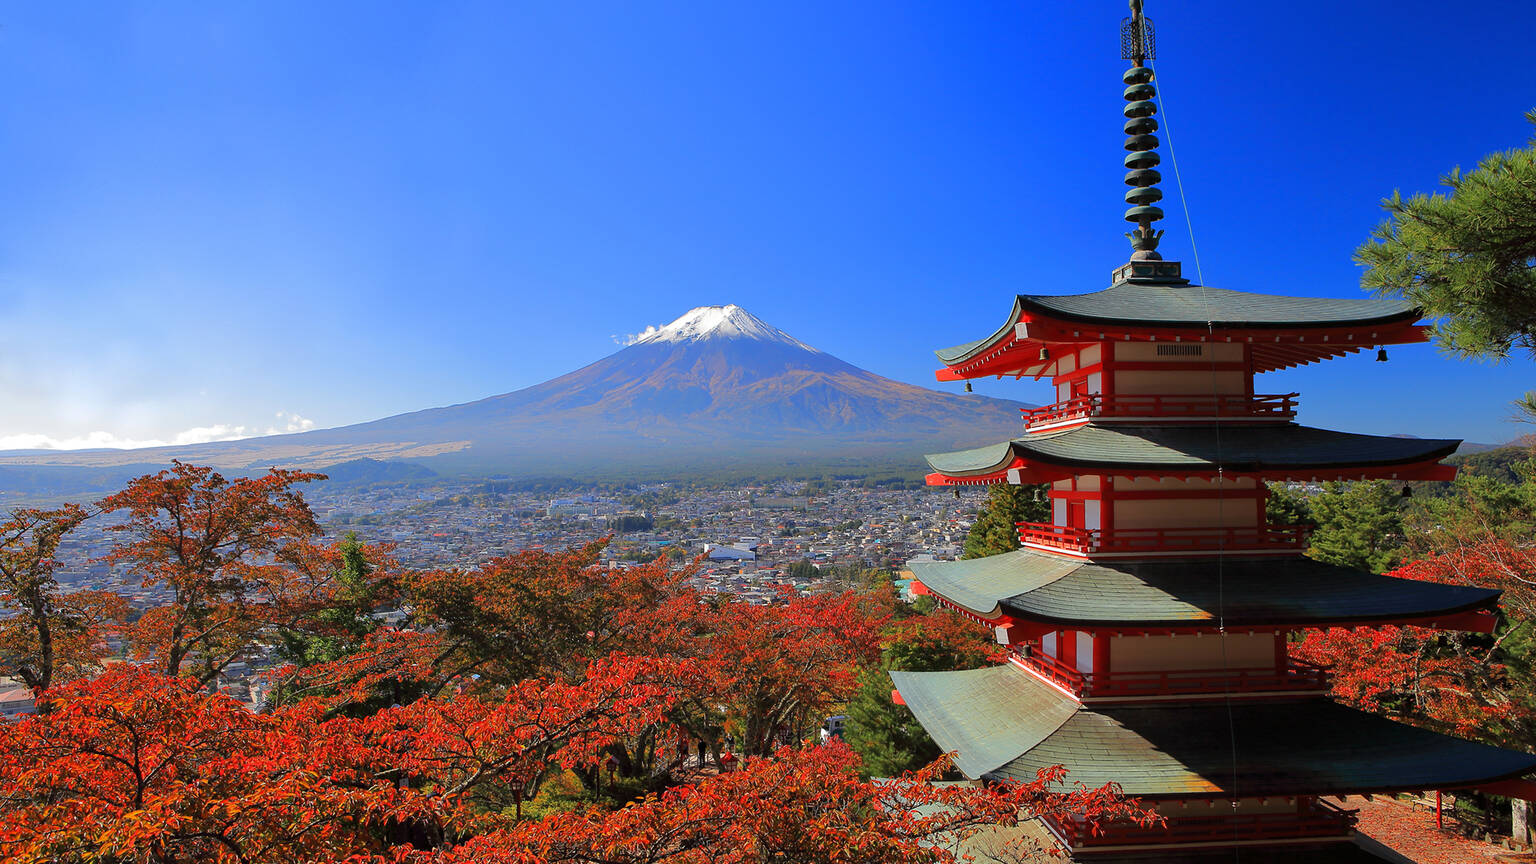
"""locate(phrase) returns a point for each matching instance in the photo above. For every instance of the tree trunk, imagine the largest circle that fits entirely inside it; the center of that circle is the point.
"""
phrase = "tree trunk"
(45, 658)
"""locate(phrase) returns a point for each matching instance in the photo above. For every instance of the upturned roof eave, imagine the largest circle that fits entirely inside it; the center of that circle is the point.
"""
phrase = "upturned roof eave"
(956, 354)
(1030, 586)
(1305, 745)
(1486, 603)
(1163, 468)
(1025, 452)
(1036, 307)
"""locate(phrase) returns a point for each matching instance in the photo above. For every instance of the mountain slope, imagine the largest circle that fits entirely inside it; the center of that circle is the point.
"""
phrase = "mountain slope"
(718, 385)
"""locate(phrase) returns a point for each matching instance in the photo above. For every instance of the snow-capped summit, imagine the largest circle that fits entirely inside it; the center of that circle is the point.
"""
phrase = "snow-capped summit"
(717, 322)
(717, 390)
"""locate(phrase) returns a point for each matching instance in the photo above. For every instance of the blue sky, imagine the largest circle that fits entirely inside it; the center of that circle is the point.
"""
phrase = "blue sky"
(267, 216)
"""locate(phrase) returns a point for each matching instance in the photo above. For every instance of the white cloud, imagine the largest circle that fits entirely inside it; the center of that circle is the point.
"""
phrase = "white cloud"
(291, 423)
(103, 439)
(636, 337)
(287, 423)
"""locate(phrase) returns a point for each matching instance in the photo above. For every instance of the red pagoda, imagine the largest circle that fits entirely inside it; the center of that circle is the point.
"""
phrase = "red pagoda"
(1147, 622)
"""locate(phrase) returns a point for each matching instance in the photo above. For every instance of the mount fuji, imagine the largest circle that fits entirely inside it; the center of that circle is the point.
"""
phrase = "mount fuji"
(717, 389)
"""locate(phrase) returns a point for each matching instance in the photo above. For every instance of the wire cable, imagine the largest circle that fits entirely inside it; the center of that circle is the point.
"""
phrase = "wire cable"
(1173, 156)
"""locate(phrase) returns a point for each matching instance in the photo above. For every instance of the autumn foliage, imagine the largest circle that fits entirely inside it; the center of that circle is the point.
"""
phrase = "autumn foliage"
(433, 739)
(220, 547)
(1458, 682)
(48, 635)
(139, 766)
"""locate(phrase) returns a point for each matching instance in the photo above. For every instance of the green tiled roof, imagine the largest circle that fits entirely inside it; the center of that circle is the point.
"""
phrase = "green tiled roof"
(1286, 747)
(1193, 306)
(971, 708)
(1303, 746)
(981, 584)
(1235, 447)
(1276, 590)
(959, 352)
(978, 460)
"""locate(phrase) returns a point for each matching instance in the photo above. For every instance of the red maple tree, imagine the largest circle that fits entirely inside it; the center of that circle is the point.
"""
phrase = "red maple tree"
(1455, 681)
(48, 634)
(219, 546)
(137, 765)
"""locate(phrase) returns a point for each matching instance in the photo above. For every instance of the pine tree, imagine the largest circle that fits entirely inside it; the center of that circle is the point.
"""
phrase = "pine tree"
(887, 736)
(1358, 525)
(1287, 506)
(996, 528)
(1467, 258)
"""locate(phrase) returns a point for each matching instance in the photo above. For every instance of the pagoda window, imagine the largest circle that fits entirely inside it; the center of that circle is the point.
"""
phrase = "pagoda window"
(1080, 387)
(1076, 503)
(1084, 652)
(1091, 516)
(1048, 644)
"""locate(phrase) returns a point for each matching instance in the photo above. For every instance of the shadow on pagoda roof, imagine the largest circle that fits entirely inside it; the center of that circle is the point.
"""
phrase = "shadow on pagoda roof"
(1262, 449)
(1004, 723)
(1241, 592)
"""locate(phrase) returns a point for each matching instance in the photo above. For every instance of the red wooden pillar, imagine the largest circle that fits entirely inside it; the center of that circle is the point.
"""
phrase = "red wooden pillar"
(1106, 505)
(1248, 370)
(1066, 650)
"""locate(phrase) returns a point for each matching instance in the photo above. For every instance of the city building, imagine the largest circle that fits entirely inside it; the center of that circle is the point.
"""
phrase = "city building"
(1148, 621)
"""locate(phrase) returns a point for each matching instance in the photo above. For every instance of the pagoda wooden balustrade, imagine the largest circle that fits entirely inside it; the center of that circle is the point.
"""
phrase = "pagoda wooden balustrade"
(1319, 820)
(1120, 406)
(1087, 541)
(1297, 675)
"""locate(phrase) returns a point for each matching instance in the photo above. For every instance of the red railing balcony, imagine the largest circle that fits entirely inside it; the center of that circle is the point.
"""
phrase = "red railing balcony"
(1112, 406)
(1161, 541)
(1297, 675)
(1320, 820)
(1051, 669)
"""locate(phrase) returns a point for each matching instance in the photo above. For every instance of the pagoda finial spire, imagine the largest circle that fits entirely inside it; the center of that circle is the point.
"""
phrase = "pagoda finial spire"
(1137, 45)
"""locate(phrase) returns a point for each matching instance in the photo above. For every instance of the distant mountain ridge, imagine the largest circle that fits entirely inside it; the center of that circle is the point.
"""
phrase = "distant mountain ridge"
(716, 388)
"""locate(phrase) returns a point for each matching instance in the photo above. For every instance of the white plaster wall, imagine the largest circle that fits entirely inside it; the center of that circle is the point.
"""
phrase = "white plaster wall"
(1193, 382)
(1188, 513)
(1169, 653)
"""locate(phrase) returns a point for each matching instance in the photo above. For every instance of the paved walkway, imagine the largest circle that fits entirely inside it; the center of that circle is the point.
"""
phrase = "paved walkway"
(1412, 834)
